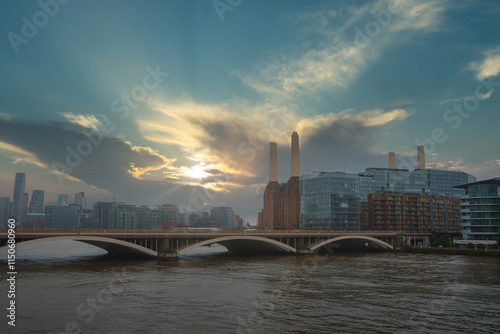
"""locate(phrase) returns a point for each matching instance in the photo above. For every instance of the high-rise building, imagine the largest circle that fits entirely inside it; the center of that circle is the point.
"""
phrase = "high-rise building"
(4, 211)
(25, 204)
(36, 203)
(62, 199)
(480, 212)
(225, 217)
(18, 199)
(80, 199)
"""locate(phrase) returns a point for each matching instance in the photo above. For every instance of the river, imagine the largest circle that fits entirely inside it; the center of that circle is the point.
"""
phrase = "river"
(208, 291)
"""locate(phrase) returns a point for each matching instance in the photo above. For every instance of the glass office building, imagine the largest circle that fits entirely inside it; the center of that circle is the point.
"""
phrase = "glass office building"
(333, 200)
(480, 212)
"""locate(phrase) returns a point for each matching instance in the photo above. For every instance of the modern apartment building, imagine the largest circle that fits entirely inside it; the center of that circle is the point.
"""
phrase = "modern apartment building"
(413, 213)
(480, 212)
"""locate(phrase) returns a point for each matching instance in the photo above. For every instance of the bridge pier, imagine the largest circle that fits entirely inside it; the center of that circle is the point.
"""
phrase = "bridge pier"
(168, 255)
(305, 252)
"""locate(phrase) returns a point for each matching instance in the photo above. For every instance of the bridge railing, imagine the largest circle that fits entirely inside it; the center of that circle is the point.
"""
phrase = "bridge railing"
(60, 231)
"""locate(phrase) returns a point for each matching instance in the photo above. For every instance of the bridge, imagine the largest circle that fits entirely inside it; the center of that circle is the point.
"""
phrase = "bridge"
(173, 243)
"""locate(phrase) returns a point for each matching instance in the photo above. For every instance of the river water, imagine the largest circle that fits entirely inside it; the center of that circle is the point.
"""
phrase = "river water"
(207, 291)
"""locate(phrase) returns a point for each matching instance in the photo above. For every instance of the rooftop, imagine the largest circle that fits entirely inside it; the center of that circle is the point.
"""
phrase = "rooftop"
(495, 180)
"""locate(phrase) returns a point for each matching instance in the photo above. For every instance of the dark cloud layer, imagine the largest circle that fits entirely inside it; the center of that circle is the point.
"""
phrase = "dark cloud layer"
(341, 145)
(106, 167)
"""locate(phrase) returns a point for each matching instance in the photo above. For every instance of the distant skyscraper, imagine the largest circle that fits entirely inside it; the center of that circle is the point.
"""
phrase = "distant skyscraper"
(18, 200)
(225, 217)
(25, 204)
(62, 199)
(36, 203)
(4, 211)
(80, 199)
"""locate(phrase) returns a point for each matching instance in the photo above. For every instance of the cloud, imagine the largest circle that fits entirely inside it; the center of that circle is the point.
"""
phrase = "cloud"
(227, 145)
(114, 165)
(422, 16)
(457, 164)
(376, 117)
(229, 138)
(489, 66)
(493, 162)
(5, 116)
(19, 155)
(333, 53)
(85, 121)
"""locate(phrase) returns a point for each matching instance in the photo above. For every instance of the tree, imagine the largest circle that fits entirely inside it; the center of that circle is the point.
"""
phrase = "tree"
(470, 245)
(445, 240)
(481, 246)
(435, 244)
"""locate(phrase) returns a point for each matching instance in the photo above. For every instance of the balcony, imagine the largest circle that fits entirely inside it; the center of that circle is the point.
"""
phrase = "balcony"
(464, 217)
(464, 210)
(464, 203)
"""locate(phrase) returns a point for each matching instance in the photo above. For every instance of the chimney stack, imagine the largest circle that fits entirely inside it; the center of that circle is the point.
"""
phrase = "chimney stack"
(421, 157)
(295, 155)
(273, 163)
(392, 160)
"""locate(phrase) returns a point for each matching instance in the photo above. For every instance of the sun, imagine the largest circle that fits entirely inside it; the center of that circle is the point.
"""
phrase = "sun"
(197, 172)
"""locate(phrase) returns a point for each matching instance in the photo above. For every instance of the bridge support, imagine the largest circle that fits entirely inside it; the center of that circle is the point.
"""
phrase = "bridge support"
(305, 252)
(168, 255)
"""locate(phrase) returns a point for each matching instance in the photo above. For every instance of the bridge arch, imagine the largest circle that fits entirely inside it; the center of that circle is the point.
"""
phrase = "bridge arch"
(370, 240)
(112, 246)
(242, 243)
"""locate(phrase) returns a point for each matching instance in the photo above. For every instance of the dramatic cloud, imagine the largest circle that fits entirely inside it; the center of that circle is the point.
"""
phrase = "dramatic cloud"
(228, 145)
(113, 164)
(343, 50)
(489, 66)
(344, 141)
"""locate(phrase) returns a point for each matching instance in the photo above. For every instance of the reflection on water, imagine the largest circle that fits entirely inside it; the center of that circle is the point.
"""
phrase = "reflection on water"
(207, 291)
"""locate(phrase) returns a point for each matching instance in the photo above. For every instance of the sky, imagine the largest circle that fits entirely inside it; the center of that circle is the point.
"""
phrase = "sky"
(175, 102)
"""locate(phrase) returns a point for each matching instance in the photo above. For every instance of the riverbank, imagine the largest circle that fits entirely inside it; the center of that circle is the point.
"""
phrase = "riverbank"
(450, 251)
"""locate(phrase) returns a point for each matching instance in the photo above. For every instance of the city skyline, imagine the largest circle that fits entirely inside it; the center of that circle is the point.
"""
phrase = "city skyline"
(161, 108)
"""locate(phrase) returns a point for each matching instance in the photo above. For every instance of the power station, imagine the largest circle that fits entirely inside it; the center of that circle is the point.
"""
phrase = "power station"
(337, 200)
(282, 201)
